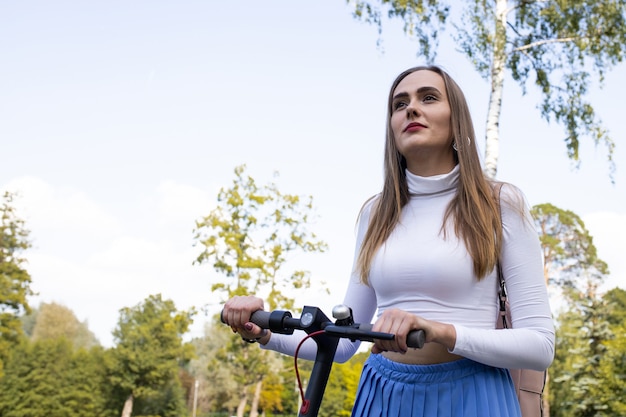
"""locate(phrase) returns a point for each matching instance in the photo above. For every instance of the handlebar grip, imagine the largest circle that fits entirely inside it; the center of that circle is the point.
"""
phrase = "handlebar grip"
(415, 338)
(277, 321)
(261, 318)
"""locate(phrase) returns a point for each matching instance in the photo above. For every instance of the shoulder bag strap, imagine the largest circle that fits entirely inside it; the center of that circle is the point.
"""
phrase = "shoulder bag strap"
(502, 296)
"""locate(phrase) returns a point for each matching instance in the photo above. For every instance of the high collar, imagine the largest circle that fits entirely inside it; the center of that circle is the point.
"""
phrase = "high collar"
(432, 185)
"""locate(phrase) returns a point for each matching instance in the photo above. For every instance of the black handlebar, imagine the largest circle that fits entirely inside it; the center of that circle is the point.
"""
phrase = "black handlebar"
(312, 320)
(282, 322)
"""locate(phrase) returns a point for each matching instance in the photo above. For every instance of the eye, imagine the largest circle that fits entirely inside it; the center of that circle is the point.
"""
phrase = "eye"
(429, 97)
(399, 105)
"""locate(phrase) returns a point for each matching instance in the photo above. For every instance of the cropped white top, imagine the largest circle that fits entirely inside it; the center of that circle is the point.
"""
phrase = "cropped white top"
(421, 271)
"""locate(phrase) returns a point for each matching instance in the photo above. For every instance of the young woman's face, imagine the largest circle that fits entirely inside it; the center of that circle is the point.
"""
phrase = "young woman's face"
(420, 121)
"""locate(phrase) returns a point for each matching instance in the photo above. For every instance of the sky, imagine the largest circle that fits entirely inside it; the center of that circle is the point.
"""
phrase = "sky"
(120, 122)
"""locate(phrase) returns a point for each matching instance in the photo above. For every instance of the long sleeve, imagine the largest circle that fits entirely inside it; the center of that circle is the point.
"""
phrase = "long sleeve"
(530, 342)
(359, 297)
(430, 275)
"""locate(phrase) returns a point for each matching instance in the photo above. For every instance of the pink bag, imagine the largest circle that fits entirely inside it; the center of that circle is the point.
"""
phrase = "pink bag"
(529, 384)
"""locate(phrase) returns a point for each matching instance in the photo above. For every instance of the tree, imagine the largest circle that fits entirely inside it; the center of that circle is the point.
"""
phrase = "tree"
(54, 320)
(568, 248)
(569, 255)
(291, 397)
(583, 381)
(248, 238)
(149, 349)
(14, 278)
(612, 364)
(248, 369)
(219, 371)
(342, 386)
(556, 45)
(49, 377)
(217, 389)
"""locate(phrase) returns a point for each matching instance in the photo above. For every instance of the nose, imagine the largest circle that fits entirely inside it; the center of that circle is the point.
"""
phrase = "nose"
(411, 110)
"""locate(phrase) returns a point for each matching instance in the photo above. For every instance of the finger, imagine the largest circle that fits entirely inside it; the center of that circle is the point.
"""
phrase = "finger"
(253, 330)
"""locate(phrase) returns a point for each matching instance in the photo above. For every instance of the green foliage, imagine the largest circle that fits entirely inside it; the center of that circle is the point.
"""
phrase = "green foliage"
(167, 402)
(225, 365)
(148, 353)
(290, 395)
(561, 43)
(586, 377)
(52, 321)
(568, 249)
(612, 366)
(273, 387)
(216, 391)
(589, 367)
(50, 378)
(423, 19)
(616, 303)
(249, 236)
(342, 385)
(14, 279)
(247, 366)
(555, 45)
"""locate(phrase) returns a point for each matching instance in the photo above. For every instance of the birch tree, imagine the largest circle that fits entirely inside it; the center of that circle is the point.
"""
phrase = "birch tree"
(557, 46)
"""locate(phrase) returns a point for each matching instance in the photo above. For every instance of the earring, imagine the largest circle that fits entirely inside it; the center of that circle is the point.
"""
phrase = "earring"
(469, 141)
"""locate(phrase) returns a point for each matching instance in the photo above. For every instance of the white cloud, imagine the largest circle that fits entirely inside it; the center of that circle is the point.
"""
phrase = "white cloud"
(122, 275)
(84, 259)
(178, 201)
(66, 210)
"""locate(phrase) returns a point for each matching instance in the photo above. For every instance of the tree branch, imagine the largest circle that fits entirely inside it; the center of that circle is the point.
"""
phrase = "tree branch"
(543, 42)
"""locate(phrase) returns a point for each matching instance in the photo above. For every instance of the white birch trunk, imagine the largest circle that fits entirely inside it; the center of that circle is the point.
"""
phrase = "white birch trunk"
(128, 406)
(495, 99)
(256, 399)
(242, 403)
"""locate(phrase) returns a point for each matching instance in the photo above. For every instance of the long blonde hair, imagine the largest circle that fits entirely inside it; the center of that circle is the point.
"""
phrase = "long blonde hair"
(474, 210)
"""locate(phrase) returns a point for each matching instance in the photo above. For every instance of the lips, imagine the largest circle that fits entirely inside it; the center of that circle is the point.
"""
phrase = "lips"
(411, 127)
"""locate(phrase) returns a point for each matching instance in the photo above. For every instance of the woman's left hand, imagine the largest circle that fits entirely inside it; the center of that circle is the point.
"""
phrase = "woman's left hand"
(400, 323)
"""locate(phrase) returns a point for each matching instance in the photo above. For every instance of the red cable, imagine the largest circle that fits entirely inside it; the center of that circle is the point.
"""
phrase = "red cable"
(305, 403)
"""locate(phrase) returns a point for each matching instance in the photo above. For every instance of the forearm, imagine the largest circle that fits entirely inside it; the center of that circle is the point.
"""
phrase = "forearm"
(524, 348)
(442, 333)
(287, 344)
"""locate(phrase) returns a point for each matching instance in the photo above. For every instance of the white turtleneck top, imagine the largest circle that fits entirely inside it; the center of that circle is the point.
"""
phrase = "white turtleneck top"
(420, 271)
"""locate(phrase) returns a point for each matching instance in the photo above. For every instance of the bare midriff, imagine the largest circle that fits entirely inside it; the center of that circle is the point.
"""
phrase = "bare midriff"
(431, 353)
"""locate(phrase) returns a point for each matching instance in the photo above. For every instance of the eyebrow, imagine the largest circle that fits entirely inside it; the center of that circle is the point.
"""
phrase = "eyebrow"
(420, 90)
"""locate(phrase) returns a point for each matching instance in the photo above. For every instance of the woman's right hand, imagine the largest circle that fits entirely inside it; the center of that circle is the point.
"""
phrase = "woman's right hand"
(236, 313)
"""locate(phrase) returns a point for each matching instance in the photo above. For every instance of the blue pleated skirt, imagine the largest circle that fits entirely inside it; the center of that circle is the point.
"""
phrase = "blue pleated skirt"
(462, 388)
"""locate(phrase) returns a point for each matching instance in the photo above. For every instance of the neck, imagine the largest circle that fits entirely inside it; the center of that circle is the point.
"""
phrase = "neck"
(428, 167)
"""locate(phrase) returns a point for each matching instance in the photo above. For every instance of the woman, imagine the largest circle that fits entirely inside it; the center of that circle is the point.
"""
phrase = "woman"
(428, 247)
